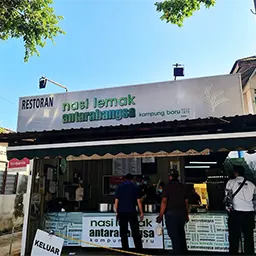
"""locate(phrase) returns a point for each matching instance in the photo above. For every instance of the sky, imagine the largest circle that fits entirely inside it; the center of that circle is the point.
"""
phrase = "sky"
(122, 42)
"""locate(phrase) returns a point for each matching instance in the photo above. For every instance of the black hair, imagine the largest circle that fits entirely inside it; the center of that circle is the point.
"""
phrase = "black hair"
(239, 169)
(140, 177)
(174, 173)
(129, 176)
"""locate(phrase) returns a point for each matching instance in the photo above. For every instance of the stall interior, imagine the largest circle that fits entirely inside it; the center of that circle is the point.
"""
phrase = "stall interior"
(89, 185)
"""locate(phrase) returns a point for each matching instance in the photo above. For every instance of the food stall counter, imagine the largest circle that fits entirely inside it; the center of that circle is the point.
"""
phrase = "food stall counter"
(99, 228)
(205, 231)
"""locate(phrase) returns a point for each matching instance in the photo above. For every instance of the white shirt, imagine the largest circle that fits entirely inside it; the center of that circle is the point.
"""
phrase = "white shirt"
(244, 199)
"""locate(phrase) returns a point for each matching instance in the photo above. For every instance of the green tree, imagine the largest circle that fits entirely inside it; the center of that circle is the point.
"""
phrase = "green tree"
(32, 20)
(176, 11)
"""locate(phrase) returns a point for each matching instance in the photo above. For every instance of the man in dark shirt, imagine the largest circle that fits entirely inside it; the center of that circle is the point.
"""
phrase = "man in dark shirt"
(127, 197)
(175, 207)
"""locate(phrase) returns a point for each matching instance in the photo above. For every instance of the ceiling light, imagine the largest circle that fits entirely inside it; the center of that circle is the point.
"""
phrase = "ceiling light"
(198, 167)
(203, 162)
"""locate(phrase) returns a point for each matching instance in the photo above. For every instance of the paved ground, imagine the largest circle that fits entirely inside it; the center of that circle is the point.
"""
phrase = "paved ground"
(5, 244)
(93, 252)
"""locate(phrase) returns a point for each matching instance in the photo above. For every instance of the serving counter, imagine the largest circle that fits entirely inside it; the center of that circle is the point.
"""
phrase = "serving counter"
(204, 232)
(99, 228)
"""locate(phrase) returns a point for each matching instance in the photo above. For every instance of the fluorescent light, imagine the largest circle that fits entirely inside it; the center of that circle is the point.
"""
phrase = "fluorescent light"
(198, 167)
(203, 162)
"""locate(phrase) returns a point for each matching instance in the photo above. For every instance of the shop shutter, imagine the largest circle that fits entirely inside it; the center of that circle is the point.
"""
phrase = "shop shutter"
(2, 176)
(10, 185)
(1, 181)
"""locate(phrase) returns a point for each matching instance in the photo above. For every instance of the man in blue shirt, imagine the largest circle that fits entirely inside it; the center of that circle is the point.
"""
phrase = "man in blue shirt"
(127, 197)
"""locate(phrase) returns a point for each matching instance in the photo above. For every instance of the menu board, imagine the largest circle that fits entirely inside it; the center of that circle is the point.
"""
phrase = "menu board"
(123, 166)
(204, 233)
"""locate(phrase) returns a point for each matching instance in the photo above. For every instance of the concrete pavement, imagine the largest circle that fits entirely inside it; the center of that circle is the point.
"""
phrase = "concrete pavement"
(94, 252)
(5, 244)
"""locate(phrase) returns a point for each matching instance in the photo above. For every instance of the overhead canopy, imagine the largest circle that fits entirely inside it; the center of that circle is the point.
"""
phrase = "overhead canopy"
(188, 137)
(179, 145)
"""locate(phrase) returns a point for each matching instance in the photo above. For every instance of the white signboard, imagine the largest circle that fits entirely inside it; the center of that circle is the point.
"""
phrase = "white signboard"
(104, 230)
(3, 156)
(46, 245)
(174, 100)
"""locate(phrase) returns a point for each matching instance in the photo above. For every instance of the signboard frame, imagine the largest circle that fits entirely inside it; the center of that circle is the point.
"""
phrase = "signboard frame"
(146, 103)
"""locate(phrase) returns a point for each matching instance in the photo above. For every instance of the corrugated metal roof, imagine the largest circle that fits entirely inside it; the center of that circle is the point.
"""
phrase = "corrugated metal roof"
(173, 128)
(246, 67)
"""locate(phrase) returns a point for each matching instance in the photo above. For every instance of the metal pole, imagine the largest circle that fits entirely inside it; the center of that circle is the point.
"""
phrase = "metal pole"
(10, 249)
(60, 85)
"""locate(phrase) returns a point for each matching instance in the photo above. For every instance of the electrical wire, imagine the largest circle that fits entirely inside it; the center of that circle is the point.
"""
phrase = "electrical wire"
(8, 100)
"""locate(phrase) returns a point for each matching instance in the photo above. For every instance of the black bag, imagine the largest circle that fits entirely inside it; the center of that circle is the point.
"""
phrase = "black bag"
(228, 200)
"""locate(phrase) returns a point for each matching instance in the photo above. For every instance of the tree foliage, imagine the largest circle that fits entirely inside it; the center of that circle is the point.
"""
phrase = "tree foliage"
(32, 20)
(176, 11)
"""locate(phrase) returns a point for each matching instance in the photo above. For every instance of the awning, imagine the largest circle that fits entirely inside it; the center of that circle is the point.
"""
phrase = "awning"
(174, 145)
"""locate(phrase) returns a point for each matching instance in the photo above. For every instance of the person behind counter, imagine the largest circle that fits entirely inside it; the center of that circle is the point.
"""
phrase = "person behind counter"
(159, 192)
(175, 207)
(79, 194)
(140, 183)
(194, 198)
(150, 191)
(127, 197)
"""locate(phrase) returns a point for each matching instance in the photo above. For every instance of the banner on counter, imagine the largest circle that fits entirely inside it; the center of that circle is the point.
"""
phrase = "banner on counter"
(66, 228)
(204, 97)
(104, 231)
(204, 233)
(46, 245)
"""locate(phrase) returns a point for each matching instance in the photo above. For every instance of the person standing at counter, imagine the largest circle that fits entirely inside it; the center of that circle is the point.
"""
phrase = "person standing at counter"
(241, 212)
(128, 196)
(175, 207)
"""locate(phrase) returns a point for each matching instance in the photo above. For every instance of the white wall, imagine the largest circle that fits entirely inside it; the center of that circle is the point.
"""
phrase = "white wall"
(7, 219)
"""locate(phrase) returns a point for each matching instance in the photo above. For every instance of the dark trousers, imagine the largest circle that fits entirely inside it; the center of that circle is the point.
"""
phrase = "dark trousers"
(241, 222)
(175, 224)
(132, 218)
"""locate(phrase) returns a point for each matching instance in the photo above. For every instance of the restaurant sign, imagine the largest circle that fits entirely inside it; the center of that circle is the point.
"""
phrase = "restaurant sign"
(204, 97)
(104, 231)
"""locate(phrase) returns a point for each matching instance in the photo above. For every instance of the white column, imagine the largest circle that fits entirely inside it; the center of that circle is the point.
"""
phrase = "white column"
(26, 209)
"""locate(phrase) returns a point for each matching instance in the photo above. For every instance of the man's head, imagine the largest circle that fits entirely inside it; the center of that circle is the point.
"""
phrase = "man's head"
(129, 176)
(139, 179)
(146, 180)
(239, 170)
(173, 174)
(161, 185)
